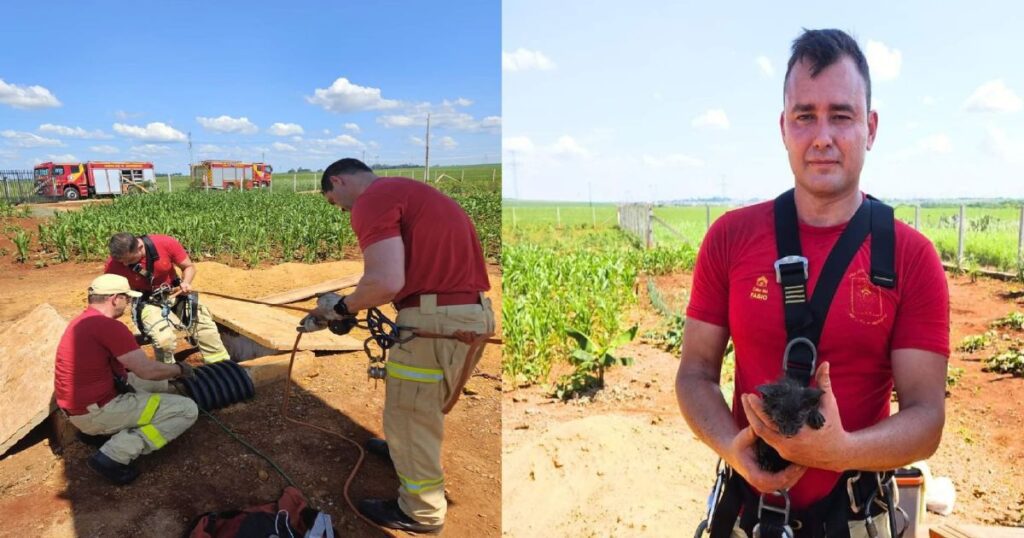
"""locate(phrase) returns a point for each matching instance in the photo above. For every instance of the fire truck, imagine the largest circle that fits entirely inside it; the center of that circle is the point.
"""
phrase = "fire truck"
(72, 181)
(262, 174)
(230, 175)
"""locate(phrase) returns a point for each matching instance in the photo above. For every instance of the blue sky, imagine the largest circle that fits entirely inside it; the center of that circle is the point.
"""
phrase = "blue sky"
(302, 82)
(666, 100)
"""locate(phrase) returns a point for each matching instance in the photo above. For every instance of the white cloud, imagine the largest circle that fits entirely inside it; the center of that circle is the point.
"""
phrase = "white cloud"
(227, 124)
(448, 142)
(994, 96)
(353, 127)
(344, 141)
(28, 140)
(673, 160)
(936, 143)
(714, 118)
(1009, 149)
(343, 96)
(417, 141)
(152, 132)
(285, 129)
(462, 101)
(443, 115)
(281, 146)
(104, 149)
(26, 96)
(327, 131)
(122, 115)
(567, 146)
(61, 158)
(766, 65)
(525, 60)
(71, 132)
(885, 63)
(210, 148)
(150, 150)
(521, 144)
(491, 122)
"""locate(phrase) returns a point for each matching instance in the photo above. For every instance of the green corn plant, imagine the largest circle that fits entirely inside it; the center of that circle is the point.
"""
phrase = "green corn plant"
(590, 360)
(21, 240)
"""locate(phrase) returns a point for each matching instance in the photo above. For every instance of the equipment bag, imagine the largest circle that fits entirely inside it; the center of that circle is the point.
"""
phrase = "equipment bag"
(289, 517)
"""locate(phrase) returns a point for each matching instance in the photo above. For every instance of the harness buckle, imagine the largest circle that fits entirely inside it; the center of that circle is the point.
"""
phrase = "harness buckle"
(786, 261)
(804, 341)
(787, 531)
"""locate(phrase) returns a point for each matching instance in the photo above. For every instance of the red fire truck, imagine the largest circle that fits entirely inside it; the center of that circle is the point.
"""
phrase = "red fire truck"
(227, 175)
(94, 178)
(262, 174)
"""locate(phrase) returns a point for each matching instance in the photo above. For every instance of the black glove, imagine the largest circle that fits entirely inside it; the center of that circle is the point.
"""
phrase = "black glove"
(187, 372)
(342, 326)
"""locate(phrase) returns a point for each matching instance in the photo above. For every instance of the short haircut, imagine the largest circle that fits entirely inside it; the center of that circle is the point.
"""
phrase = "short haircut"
(97, 299)
(342, 166)
(121, 244)
(822, 48)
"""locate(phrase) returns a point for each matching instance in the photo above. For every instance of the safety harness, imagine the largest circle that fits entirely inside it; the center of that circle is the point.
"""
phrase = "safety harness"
(185, 307)
(859, 495)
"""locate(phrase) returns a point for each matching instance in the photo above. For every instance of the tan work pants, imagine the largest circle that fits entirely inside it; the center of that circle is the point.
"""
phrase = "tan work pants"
(165, 336)
(140, 422)
(422, 374)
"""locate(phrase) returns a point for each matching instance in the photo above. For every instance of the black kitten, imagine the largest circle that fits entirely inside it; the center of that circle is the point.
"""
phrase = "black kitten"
(790, 405)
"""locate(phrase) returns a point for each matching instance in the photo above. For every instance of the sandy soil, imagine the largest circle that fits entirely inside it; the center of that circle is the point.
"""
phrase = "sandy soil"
(42, 494)
(626, 464)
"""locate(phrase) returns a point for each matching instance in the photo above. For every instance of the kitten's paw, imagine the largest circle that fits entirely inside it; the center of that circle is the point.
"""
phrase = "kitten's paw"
(815, 419)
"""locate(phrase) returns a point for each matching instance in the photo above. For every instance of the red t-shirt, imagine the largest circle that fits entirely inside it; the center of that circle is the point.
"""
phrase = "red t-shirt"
(442, 252)
(734, 287)
(87, 360)
(169, 252)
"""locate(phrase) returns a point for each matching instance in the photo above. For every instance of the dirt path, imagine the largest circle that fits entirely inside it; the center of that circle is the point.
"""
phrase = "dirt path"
(42, 494)
(626, 464)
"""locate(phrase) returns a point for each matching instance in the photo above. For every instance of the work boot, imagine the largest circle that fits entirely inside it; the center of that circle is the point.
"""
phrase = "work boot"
(386, 513)
(117, 473)
(378, 447)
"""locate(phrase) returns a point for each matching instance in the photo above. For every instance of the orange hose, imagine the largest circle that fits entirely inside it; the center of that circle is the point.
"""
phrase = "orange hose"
(362, 453)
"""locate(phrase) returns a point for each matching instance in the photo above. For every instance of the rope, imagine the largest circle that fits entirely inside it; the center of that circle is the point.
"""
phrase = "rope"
(250, 447)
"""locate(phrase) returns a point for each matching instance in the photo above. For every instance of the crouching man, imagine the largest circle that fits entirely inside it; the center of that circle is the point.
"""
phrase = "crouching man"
(106, 384)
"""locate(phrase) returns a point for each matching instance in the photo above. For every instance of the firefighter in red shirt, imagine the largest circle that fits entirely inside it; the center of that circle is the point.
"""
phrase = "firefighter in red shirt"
(877, 334)
(149, 262)
(108, 387)
(420, 252)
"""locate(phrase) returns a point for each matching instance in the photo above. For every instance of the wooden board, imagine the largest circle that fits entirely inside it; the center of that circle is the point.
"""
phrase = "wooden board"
(273, 328)
(27, 351)
(299, 294)
(962, 530)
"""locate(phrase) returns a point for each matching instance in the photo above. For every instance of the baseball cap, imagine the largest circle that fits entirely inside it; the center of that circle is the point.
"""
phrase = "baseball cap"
(109, 284)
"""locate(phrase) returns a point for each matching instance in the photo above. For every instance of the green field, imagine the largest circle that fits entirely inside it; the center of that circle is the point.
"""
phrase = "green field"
(249, 227)
(990, 238)
(478, 175)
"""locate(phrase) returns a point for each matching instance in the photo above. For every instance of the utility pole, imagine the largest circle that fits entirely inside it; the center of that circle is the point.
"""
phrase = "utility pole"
(426, 165)
(190, 161)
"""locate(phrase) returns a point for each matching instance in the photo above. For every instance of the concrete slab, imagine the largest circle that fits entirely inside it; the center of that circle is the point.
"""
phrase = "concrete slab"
(27, 350)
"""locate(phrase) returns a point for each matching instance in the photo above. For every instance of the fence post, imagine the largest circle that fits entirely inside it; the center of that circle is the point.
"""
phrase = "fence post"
(169, 183)
(960, 241)
(650, 228)
(558, 216)
(463, 177)
(593, 217)
(707, 217)
(295, 182)
(917, 217)
(494, 172)
(1020, 240)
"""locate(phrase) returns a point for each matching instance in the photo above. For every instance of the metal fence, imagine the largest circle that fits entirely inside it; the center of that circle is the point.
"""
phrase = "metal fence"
(18, 186)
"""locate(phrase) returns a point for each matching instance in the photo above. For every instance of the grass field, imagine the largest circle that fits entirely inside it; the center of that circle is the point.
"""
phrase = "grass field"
(991, 236)
(249, 227)
(479, 174)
